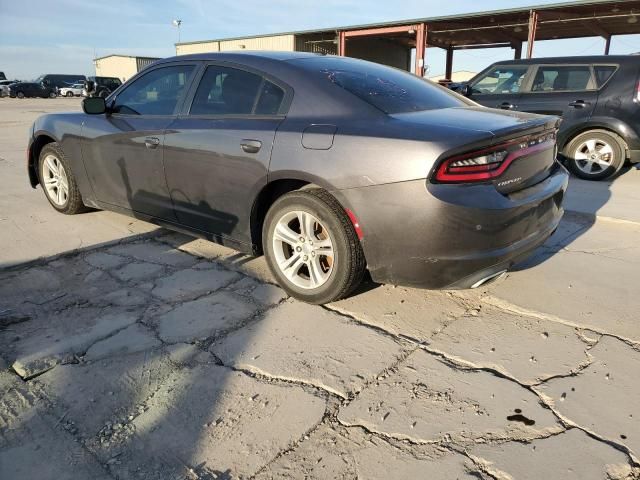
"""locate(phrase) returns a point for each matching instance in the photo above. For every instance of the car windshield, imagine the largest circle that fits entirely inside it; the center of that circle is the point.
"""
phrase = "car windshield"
(39, 79)
(388, 89)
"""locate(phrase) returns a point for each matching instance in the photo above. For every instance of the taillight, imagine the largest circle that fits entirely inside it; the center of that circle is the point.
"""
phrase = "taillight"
(637, 99)
(486, 164)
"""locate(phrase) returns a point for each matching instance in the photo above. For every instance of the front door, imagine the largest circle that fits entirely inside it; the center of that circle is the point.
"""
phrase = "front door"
(123, 149)
(499, 87)
(217, 153)
(568, 91)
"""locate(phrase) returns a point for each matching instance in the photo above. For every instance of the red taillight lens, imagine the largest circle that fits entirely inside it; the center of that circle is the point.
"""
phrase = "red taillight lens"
(482, 165)
(637, 99)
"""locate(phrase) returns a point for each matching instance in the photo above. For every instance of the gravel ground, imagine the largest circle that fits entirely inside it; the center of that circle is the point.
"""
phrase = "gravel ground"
(144, 354)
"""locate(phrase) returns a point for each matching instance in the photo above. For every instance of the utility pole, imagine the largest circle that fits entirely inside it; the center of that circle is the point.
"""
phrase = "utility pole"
(176, 23)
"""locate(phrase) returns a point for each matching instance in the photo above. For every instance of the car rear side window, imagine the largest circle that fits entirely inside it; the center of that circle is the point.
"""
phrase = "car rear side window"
(603, 73)
(226, 91)
(554, 78)
(270, 100)
(156, 93)
(388, 89)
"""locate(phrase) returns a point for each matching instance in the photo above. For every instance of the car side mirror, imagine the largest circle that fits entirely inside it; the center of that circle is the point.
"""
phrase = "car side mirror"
(465, 90)
(94, 105)
(89, 86)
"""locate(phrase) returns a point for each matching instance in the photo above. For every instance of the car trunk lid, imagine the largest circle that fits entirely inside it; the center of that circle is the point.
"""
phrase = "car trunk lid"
(526, 137)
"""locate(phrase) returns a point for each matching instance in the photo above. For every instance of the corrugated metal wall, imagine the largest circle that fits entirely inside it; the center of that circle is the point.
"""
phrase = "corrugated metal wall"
(275, 42)
(116, 66)
(142, 62)
(200, 47)
(322, 43)
(278, 42)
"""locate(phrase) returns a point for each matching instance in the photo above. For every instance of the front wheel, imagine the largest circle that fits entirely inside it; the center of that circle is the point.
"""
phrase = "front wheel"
(69, 94)
(312, 248)
(20, 95)
(595, 154)
(58, 182)
(52, 95)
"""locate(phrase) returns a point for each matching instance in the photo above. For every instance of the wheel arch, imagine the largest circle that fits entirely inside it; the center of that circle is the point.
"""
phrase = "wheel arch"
(271, 192)
(618, 128)
(38, 144)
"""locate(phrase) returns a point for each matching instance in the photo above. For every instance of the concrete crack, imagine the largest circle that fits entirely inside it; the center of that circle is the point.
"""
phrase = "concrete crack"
(511, 308)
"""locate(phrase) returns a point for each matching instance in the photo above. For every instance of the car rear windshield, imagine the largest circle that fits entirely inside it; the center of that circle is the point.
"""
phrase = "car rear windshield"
(388, 89)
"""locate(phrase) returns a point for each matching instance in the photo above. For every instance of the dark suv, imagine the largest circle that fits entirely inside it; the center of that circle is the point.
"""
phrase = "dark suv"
(101, 86)
(598, 98)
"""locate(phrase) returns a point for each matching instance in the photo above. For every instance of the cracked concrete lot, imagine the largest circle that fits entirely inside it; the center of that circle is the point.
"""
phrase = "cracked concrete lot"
(157, 356)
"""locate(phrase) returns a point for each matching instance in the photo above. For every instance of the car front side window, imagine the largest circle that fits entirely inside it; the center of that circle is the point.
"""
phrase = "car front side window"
(155, 93)
(501, 80)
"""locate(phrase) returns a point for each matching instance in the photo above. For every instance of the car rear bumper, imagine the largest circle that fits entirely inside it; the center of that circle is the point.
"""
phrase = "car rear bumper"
(452, 236)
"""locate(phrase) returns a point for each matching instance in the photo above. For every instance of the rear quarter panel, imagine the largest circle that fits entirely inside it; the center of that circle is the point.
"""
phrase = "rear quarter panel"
(365, 152)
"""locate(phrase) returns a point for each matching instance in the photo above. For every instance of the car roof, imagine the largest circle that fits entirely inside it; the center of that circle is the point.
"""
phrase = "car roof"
(241, 56)
(573, 60)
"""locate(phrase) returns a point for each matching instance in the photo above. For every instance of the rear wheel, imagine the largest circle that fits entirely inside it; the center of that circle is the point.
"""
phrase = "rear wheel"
(58, 182)
(52, 95)
(595, 154)
(20, 94)
(69, 94)
(311, 247)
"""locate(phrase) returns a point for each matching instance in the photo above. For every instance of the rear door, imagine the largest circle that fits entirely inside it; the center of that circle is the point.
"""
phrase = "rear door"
(568, 91)
(217, 152)
(123, 149)
(500, 86)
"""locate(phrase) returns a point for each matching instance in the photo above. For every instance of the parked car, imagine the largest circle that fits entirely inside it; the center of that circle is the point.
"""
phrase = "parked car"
(31, 89)
(100, 86)
(327, 165)
(4, 87)
(71, 91)
(58, 81)
(598, 98)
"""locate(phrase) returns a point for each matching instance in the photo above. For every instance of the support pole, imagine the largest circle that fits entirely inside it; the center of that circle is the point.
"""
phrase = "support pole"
(448, 72)
(607, 44)
(341, 44)
(517, 50)
(421, 41)
(533, 26)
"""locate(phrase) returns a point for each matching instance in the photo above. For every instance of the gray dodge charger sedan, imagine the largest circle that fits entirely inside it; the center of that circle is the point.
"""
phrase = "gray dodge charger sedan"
(329, 166)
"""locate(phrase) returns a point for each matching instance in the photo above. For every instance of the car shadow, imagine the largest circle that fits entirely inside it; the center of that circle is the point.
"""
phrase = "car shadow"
(583, 201)
(166, 408)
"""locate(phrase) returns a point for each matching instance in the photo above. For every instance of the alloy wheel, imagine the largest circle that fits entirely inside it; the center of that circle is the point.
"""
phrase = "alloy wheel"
(303, 249)
(55, 180)
(593, 156)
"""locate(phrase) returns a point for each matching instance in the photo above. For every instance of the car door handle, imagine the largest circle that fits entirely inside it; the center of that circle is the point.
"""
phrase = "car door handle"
(506, 106)
(251, 146)
(578, 104)
(151, 142)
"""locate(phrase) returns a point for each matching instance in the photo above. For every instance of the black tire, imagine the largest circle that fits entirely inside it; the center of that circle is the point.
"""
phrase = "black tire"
(103, 94)
(20, 94)
(69, 94)
(582, 169)
(348, 266)
(73, 203)
(52, 95)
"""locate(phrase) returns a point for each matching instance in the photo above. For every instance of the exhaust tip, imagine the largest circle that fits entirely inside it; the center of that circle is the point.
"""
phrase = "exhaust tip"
(489, 279)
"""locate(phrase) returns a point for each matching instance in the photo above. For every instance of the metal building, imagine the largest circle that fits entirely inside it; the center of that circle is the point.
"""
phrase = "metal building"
(404, 44)
(121, 66)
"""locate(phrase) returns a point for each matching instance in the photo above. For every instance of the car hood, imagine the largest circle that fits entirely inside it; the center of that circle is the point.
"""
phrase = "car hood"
(498, 123)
